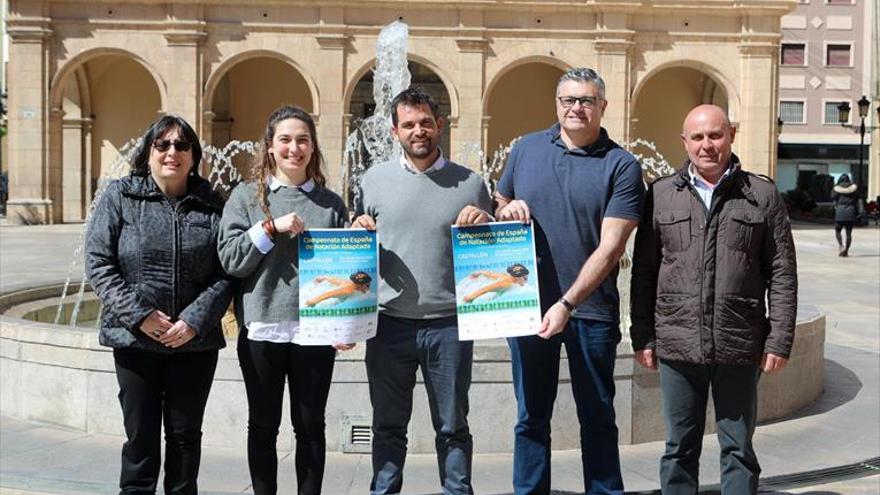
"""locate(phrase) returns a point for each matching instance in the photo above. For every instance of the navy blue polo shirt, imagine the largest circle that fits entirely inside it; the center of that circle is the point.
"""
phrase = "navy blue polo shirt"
(569, 192)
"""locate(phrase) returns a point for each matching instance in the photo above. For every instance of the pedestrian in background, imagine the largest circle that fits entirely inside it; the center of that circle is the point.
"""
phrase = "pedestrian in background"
(845, 197)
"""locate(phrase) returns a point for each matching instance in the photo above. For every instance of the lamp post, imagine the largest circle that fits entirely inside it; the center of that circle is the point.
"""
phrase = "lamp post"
(843, 118)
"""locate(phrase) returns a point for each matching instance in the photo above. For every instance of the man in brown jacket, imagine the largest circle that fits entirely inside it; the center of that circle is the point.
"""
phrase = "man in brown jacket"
(713, 242)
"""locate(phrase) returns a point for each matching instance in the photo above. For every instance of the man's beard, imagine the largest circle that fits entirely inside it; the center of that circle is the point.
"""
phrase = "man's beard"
(424, 152)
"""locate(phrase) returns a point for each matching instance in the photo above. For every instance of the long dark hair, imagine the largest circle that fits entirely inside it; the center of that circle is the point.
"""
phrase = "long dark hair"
(141, 163)
(264, 164)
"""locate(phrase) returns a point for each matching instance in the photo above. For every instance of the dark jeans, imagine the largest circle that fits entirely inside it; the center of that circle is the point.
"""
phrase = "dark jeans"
(154, 388)
(399, 347)
(685, 390)
(591, 347)
(308, 369)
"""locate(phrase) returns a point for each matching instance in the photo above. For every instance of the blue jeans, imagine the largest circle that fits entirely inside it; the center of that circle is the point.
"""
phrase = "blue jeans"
(591, 346)
(734, 391)
(399, 347)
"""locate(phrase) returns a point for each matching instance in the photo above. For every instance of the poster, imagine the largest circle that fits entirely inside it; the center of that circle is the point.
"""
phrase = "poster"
(496, 288)
(338, 286)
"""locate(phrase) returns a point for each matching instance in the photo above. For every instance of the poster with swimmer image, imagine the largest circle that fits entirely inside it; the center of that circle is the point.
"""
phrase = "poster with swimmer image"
(338, 286)
(496, 284)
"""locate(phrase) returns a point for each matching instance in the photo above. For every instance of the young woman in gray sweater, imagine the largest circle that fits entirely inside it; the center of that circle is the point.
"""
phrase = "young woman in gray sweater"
(258, 245)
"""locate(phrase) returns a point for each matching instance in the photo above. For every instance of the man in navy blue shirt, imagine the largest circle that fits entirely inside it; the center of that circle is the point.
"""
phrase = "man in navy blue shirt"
(584, 194)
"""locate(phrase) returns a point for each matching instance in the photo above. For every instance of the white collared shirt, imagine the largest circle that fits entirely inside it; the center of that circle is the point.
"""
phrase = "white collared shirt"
(704, 189)
(438, 164)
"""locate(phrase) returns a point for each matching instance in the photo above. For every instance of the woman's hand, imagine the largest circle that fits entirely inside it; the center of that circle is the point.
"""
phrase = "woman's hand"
(345, 347)
(179, 334)
(156, 324)
(291, 224)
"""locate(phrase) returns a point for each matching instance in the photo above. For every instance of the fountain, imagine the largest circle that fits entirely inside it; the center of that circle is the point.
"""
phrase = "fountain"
(62, 376)
(371, 141)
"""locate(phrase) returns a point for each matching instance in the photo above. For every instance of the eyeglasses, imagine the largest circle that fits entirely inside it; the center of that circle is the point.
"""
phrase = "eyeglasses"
(163, 145)
(585, 101)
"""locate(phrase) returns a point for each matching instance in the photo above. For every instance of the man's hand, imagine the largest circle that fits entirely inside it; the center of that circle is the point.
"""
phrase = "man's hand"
(471, 215)
(345, 347)
(516, 210)
(364, 222)
(554, 321)
(646, 358)
(771, 363)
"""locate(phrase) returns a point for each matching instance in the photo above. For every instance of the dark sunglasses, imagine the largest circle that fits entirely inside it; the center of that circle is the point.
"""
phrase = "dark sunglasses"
(163, 145)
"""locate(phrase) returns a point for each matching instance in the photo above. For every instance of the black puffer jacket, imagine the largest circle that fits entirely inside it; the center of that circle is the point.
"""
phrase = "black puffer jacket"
(700, 276)
(144, 252)
(846, 202)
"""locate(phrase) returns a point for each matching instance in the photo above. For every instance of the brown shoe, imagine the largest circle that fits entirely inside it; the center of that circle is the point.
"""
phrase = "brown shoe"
(844, 253)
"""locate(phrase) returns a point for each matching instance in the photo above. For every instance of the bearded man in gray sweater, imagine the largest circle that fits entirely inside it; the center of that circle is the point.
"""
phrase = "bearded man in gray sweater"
(411, 203)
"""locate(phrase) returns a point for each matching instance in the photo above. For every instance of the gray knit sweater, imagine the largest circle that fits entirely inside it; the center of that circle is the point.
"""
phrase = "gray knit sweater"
(268, 289)
(413, 215)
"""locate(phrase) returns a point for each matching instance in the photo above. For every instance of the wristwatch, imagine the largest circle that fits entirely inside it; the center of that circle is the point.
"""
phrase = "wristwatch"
(569, 306)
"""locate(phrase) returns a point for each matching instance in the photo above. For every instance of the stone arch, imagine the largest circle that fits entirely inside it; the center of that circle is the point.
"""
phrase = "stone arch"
(733, 97)
(504, 122)
(665, 95)
(515, 63)
(99, 101)
(222, 70)
(56, 92)
(451, 89)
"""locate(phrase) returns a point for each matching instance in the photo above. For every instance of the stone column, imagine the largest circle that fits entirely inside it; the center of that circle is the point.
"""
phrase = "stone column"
(56, 176)
(614, 66)
(183, 72)
(467, 135)
(874, 150)
(75, 169)
(756, 138)
(331, 88)
(30, 180)
(613, 49)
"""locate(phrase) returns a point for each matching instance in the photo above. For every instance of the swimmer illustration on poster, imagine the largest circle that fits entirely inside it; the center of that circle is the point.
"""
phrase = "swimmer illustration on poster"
(338, 286)
(495, 294)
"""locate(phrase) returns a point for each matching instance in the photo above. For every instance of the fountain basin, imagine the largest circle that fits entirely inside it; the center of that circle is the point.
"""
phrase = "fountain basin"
(60, 375)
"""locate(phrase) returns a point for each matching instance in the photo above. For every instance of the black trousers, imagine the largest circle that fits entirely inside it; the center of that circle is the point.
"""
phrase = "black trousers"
(848, 228)
(685, 389)
(156, 388)
(308, 369)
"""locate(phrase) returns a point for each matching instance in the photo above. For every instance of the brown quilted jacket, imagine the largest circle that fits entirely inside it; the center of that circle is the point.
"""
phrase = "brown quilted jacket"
(701, 276)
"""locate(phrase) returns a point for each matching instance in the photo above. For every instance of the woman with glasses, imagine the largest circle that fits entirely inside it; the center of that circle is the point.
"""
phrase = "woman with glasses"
(151, 256)
(258, 244)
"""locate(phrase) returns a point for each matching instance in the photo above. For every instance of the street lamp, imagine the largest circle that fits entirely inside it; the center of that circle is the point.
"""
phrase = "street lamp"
(843, 118)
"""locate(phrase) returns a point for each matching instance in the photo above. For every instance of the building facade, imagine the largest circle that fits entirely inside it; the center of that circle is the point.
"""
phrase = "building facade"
(86, 77)
(826, 59)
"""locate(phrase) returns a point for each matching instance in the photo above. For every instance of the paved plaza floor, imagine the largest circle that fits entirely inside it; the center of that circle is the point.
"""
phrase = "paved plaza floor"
(841, 429)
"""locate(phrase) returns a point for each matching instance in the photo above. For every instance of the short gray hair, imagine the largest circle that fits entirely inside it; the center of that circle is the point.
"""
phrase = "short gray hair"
(583, 75)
